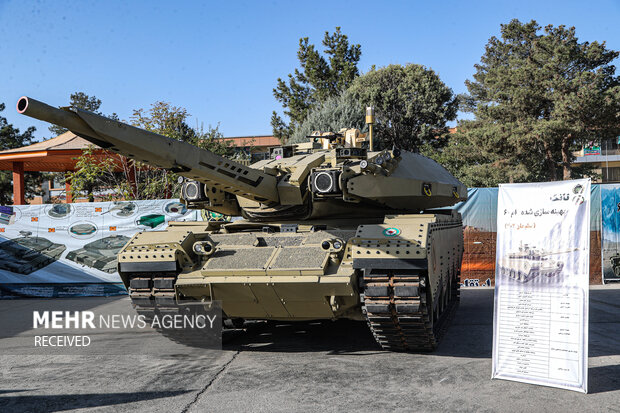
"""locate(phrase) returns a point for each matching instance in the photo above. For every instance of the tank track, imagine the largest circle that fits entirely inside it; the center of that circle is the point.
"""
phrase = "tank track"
(153, 294)
(399, 312)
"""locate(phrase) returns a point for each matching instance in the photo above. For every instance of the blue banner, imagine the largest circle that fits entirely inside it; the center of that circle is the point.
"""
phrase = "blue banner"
(610, 248)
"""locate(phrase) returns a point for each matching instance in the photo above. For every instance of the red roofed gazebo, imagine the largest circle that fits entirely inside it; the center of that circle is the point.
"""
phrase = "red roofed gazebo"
(53, 155)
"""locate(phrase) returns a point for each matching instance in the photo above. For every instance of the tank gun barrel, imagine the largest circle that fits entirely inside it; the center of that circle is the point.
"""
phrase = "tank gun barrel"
(144, 146)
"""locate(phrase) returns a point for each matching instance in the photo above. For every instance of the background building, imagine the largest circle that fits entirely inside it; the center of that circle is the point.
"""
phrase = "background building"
(605, 157)
(256, 147)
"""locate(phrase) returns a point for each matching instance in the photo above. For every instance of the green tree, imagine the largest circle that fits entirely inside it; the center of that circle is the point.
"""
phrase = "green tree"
(93, 174)
(212, 139)
(335, 113)
(412, 105)
(170, 121)
(536, 98)
(280, 129)
(164, 119)
(82, 101)
(130, 179)
(318, 78)
(11, 138)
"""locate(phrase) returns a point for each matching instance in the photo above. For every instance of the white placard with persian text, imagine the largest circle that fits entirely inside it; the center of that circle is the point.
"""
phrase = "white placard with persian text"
(540, 326)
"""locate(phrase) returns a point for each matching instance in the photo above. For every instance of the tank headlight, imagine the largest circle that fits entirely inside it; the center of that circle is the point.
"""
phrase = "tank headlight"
(364, 164)
(379, 160)
(203, 247)
(326, 245)
(191, 191)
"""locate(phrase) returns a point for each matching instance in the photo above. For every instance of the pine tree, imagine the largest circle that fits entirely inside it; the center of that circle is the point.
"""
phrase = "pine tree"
(536, 98)
(335, 113)
(318, 78)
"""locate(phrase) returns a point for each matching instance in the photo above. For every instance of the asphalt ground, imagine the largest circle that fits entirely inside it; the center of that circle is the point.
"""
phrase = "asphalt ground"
(327, 366)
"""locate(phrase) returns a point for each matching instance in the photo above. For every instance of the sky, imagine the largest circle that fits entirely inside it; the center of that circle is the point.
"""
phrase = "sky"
(220, 60)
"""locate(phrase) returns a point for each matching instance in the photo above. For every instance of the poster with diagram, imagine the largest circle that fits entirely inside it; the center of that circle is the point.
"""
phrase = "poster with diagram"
(70, 249)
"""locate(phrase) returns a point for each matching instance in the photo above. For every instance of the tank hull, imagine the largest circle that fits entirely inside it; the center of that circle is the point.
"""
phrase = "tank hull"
(381, 271)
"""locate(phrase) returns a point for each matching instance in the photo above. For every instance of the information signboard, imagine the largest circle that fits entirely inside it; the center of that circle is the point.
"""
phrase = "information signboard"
(55, 250)
(540, 329)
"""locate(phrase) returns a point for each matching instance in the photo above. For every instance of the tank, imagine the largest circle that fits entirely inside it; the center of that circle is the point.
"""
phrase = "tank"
(122, 209)
(26, 254)
(59, 210)
(100, 254)
(331, 229)
(530, 262)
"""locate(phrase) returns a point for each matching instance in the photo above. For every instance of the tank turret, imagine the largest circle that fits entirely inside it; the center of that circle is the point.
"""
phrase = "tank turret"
(334, 177)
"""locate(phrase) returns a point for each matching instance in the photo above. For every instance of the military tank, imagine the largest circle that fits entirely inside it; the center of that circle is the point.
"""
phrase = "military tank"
(530, 262)
(59, 211)
(331, 229)
(122, 209)
(100, 254)
(27, 254)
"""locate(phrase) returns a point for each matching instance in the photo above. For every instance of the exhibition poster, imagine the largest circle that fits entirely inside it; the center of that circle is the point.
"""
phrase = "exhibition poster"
(610, 232)
(54, 250)
(540, 328)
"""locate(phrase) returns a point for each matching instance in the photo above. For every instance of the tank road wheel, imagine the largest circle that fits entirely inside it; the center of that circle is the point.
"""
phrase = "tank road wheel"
(400, 312)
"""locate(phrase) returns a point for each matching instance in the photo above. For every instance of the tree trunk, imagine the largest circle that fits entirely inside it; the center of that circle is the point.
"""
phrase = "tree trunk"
(551, 165)
(566, 158)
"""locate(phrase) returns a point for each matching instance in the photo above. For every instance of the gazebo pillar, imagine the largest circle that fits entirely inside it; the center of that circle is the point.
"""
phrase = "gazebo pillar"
(68, 197)
(19, 195)
(131, 177)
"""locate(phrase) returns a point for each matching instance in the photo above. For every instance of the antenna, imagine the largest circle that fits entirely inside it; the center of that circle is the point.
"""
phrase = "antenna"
(370, 120)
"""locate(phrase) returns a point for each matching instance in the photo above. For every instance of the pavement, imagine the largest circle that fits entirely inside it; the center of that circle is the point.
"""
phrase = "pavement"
(323, 366)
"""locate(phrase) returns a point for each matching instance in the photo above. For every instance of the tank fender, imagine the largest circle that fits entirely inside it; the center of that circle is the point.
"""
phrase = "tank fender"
(157, 252)
(398, 243)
